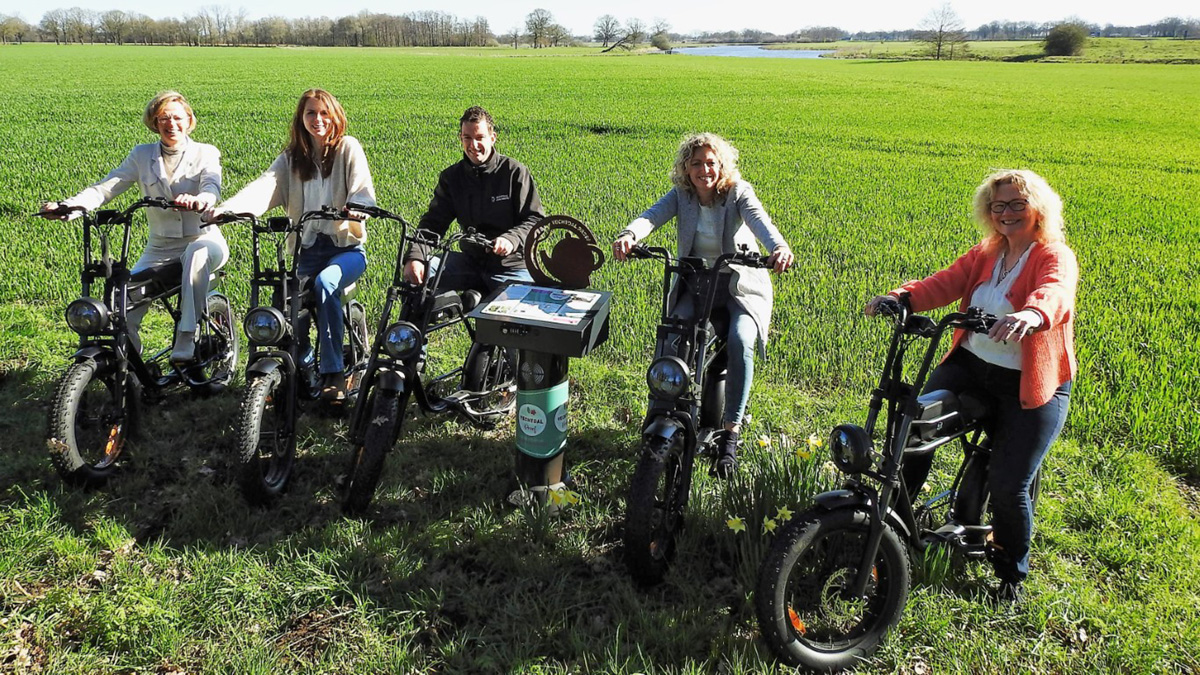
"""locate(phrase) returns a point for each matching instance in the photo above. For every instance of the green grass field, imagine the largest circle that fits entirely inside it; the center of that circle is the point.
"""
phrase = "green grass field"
(867, 168)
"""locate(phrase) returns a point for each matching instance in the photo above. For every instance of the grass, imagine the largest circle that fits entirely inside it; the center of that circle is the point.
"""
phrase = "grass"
(867, 168)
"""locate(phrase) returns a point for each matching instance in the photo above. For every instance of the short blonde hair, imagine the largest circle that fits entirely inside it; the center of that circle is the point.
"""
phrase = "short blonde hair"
(1041, 197)
(155, 106)
(727, 157)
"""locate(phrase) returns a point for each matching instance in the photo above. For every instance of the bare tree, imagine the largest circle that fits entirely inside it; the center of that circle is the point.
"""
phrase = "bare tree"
(54, 24)
(537, 25)
(635, 32)
(942, 31)
(114, 24)
(512, 37)
(608, 29)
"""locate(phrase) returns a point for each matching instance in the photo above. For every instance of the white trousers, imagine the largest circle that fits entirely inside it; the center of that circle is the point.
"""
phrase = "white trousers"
(201, 255)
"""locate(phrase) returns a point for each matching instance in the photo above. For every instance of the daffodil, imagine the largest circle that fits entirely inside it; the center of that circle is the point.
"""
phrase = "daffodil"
(572, 497)
(784, 514)
(558, 497)
(769, 525)
(804, 453)
(814, 441)
(736, 524)
(764, 441)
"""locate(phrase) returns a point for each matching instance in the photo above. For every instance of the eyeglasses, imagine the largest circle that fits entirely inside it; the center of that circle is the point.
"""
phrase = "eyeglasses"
(167, 119)
(1017, 206)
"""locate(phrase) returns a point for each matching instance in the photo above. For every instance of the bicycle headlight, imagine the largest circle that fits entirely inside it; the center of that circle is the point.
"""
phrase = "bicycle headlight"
(851, 448)
(265, 325)
(87, 316)
(668, 377)
(402, 340)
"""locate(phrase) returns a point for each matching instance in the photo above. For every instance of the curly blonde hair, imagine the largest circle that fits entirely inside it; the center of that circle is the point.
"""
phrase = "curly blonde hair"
(1041, 197)
(155, 107)
(727, 157)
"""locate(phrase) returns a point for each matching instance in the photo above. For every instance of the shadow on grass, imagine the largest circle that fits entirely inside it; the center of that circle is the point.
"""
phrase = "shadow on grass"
(491, 587)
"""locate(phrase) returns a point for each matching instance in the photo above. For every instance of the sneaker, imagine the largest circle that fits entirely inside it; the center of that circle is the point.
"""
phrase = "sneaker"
(333, 388)
(726, 464)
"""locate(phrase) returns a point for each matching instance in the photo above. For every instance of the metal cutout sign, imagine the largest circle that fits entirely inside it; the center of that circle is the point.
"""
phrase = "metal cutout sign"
(573, 257)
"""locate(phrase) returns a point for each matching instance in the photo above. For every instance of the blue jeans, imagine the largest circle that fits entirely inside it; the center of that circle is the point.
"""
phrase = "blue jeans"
(1020, 439)
(465, 273)
(740, 341)
(335, 267)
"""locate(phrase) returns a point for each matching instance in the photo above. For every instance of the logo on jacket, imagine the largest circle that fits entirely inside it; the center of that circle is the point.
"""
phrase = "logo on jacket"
(499, 198)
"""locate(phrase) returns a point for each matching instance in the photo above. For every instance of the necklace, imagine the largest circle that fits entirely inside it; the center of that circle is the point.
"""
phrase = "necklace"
(1005, 271)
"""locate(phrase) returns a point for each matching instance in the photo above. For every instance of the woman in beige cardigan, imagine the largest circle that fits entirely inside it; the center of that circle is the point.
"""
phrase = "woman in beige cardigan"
(321, 166)
(188, 174)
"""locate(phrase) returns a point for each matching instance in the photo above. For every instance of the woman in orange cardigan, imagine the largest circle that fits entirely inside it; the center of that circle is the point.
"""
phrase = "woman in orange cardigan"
(1023, 272)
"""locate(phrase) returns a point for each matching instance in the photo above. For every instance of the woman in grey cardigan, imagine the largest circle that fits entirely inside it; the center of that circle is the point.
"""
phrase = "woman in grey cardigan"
(716, 212)
(187, 174)
(321, 166)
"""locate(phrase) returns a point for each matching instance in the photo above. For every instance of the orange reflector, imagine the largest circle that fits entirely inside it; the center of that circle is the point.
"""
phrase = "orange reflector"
(113, 445)
(796, 622)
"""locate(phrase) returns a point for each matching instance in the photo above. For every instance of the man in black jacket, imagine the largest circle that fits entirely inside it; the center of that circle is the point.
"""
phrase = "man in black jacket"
(489, 192)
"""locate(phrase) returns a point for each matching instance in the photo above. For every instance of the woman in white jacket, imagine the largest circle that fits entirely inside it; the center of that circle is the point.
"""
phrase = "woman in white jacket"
(188, 174)
(321, 166)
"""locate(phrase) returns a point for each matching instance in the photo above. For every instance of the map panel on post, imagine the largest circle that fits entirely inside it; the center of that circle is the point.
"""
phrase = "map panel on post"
(543, 319)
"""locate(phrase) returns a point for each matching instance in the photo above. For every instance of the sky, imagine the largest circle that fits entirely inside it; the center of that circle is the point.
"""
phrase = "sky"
(684, 16)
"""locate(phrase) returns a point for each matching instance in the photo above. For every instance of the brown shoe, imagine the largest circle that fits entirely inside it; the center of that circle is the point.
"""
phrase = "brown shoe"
(333, 387)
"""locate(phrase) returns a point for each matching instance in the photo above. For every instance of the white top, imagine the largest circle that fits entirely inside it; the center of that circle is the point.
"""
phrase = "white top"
(198, 172)
(991, 296)
(709, 233)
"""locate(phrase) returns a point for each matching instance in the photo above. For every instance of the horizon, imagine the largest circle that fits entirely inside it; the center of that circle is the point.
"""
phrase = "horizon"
(882, 16)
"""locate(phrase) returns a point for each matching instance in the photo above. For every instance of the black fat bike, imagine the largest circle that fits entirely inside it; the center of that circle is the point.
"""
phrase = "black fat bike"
(482, 389)
(97, 404)
(837, 577)
(687, 401)
(281, 365)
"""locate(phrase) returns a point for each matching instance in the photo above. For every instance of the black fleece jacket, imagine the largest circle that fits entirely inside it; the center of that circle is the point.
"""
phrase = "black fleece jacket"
(497, 198)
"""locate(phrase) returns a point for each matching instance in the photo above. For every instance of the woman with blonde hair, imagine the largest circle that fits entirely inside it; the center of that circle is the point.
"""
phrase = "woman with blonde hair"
(1023, 272)
(716, 212)
(188, 174)
(321, 166)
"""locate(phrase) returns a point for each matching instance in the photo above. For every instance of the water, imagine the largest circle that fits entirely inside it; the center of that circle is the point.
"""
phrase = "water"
(753, 51)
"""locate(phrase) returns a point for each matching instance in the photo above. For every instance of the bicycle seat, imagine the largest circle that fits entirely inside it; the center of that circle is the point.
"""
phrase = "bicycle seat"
(939, 413)
(158, 279)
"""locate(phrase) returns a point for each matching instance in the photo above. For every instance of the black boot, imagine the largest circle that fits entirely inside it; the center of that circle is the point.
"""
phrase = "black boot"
(726, 464)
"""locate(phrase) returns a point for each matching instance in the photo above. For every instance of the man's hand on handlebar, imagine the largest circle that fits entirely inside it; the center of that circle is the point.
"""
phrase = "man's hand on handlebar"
(414, 272)
(501, 246)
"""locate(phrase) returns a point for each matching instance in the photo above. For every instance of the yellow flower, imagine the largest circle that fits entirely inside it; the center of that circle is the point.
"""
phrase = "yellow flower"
(784, 514)
(764, 441)
(769, 525)
(558, 497)
(814, 441)
(804, 453)
(736, 524)
(572, 497)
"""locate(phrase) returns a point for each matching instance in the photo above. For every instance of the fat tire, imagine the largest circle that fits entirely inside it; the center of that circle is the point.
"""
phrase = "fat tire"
(67, 437)
(366, 464)
(654, 511)
(264, 479)
(800, 635)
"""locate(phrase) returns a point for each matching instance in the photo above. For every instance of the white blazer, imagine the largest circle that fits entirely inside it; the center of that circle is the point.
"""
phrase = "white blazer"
(199, 172)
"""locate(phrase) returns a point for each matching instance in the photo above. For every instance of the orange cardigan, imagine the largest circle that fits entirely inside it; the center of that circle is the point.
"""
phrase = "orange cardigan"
(1046, 284)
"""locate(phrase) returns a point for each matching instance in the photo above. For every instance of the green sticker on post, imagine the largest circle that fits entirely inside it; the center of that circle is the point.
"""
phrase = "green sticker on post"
(542, 421)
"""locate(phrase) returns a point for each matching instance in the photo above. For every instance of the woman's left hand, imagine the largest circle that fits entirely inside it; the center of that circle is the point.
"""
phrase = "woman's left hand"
(781, 259)
(1015, 326)
(195, 202)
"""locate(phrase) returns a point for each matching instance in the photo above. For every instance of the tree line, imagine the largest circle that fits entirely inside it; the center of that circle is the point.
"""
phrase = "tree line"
(217, 25)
